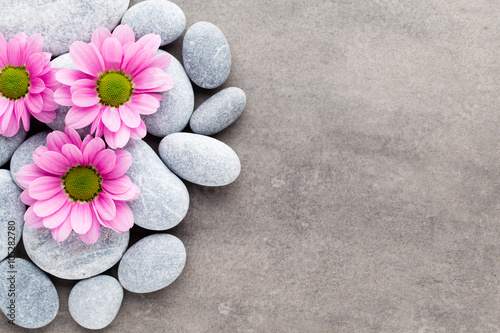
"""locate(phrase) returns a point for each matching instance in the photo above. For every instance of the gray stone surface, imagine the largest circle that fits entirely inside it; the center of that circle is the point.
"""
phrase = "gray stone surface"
(72, 259)
(12, 211)
(61, 22)
(206, 55)
(29, 293)
(164, 199)
(159, 17)
(176, 106)
(9, 145)
(24, 153)
(218, 112)
(152, 263)
(200, 159)
(94, 303)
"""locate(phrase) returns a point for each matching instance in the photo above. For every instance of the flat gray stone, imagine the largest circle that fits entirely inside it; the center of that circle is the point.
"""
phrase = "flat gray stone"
(164, 199)
(60, 22)
(72, 259)
(34, 296)
(12, 211)
(9, 145)
(24, 153)
(160, 17)
(94, 303)
(176, 106)
(152, 263)
(200, 159)
(206, 55)
(219, 111)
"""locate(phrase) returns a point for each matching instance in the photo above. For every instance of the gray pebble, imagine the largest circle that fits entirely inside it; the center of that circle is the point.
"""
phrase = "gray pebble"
(218, 112)
(206, 55)
(72, 259)
(164, 199)
(24, 153)
(94, 303)
(200, 159)
(35, 301)
(12, 211)
(61, 22)
(152, 263)
(9, 145)
(156, 17)
(176, 106)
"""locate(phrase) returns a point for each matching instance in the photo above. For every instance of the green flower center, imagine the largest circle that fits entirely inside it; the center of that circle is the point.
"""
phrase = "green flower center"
(82, 183)
(114, 88)
(14, 82)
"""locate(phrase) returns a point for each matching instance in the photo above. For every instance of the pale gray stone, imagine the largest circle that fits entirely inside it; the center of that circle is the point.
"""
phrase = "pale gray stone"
(60, 22)
(152, 263)
(206, 55)
(218, 112)
(160, 17)
(24, 153)
(176, 106)
(12, 211)
(200, 159)
(9, 144)
(164, 199)
(35, 297)
(94, 303)
(72, 259)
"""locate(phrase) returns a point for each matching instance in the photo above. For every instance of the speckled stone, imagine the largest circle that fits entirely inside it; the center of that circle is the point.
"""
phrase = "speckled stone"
(176, 106)
(12, 211)
(152, 263)
(164, 199)
(24, 153)
(200, 159)
(94, 303)
(36, 301)
(206, 55)
(160, 17)
(72, 259)
(218, 112)
(61, 22)
(9, 144)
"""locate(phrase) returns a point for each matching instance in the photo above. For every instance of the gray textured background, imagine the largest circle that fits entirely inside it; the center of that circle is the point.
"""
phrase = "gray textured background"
(369, 194)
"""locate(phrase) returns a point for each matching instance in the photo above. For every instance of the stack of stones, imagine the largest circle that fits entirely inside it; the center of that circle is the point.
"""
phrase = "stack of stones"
(157, 260)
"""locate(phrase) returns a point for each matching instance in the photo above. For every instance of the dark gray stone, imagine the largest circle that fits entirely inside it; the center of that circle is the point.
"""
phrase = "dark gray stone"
(206, 55)
(152, 263)
(9, 145)
(218, 112)
(24, 153)
(12, 211)
(94, 303)
(200, 159)
(36, 300)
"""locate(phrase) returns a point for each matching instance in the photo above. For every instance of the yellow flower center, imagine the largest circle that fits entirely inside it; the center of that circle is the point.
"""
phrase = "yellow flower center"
(82, 183)
(114, 88)
(14, 82)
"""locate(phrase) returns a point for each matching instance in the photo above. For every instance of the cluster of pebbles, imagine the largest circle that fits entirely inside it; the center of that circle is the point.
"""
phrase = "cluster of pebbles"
(157, 260)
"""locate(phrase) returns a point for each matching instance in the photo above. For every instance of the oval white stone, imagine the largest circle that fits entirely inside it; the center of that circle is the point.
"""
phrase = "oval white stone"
(12, 211)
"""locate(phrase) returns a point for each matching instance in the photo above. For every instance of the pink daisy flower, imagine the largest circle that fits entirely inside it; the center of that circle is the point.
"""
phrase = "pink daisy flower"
(75, 185)
(118, 81)
(27, 83)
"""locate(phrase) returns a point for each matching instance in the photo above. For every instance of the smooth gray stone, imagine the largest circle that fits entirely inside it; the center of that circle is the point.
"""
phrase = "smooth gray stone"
(36, 301)
(12, 211)
(200, 159)
(160, 17)
(60, 22)
(9, 145)
(152, 263)
(164, 199)
(218, 112)
(206, 55)
(24, 153)
(176, 106)
(72, 259)
(94, 303)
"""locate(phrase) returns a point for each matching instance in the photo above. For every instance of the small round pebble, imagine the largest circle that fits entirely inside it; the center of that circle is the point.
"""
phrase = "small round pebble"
(206, 55)
(152, 263)
(9, 144)
(24, 153)
(94, 303)
(219, 111)
(159, 17)
(12, 211)
(27, 296)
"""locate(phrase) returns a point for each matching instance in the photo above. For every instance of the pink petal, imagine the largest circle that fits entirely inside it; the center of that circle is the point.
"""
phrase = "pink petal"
(44, 188)
(138, 132)
(137, 63)
(62, 231)
(124, 219)
(25, 116)
(14, 56)
(36, 86)
(48, 100)
(112, 53)
(48, 207)
(49, 79)
(34, 44)
(167, 85)
(34, 102)
(19, 108)
(83, 83)
(131, 194)
(104, 161)
(26, 199)
(145, 103)
(70, 76)
(78, 117)
(80, 217)
(45, 116)
(118, 185)
(85, 97)
(111, 119)
(9, 125)
(55, 220)
(105, 206)
(99, 36)
(31, 219)
(37, 154)
(3, 51)
(87, 58)
(54, 163)
(86, 141)
(72, 153)
(130, 118)
(56, 140)
(73, 136)
(150, 41)
(124, 34)
(4, 104)
(117, 139)
(97, 125)
(161, 61)
(122, 164)
(63, 96)
(91, 236)
(91, 149)
(35, 65)
(150, 78)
